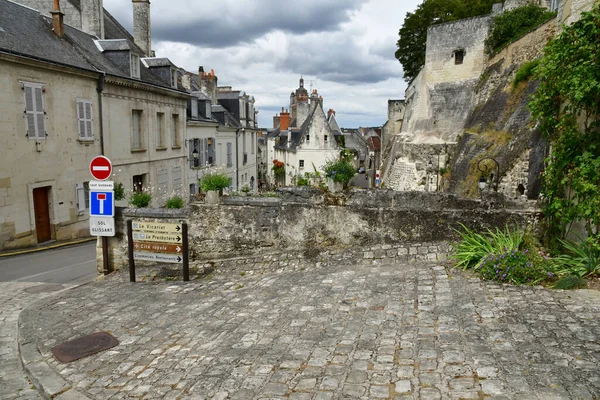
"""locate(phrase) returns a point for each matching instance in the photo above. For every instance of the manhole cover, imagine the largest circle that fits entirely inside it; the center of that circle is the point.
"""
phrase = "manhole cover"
(84, 346)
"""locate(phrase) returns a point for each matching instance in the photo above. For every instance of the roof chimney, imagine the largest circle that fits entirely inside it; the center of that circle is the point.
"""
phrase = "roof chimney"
(141, 26)
(58, 19)
(92, 17)
(284, 120)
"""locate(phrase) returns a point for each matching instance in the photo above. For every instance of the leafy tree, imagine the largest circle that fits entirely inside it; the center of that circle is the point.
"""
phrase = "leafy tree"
(413, 34)
(567, 108)
(512, 24)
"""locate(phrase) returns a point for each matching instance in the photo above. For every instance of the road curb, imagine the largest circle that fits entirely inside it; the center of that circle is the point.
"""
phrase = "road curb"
(52, 246)
(48, 383)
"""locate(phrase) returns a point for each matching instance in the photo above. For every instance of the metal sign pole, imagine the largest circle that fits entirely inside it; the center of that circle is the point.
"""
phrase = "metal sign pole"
(130, 251)
(186, 265)
(105, 266)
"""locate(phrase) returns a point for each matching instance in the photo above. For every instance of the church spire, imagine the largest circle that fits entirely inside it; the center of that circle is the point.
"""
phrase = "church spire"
(301, 81)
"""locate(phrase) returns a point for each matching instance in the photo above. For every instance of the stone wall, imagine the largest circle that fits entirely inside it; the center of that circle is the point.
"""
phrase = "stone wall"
(309, 226)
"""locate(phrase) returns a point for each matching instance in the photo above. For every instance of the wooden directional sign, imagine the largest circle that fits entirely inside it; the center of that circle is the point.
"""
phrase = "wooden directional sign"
(158, 257)
(160, 227)
(157, 237)
(158, 247)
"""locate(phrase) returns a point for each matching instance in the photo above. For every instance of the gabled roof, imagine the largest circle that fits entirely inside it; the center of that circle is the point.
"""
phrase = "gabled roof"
(27, 33)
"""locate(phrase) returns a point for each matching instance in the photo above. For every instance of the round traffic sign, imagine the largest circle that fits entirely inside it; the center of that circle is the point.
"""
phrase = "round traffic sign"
(101, 168)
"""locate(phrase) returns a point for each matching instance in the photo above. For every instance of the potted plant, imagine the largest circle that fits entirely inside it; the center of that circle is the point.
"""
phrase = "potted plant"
(245, 190)
(339, 172)
(212, 183)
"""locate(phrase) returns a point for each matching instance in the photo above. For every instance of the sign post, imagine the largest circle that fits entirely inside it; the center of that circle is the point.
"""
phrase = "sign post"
(159, 242)
(102, 205)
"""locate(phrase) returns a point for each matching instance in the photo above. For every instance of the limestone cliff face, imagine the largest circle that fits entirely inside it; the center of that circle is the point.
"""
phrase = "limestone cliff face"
(499, 125)
(475, 112)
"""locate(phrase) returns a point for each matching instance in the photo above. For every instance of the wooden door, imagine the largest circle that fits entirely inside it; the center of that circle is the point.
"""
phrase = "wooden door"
(42, 214)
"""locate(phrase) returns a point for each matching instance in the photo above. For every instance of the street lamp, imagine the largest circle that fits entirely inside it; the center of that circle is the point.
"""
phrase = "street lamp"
(484, 168)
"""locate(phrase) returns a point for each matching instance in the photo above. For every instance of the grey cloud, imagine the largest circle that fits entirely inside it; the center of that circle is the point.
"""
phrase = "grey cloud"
(338, 59)
(231, 22)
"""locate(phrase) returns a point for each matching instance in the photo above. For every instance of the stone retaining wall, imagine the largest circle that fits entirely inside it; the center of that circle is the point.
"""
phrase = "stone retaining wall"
(307, 227)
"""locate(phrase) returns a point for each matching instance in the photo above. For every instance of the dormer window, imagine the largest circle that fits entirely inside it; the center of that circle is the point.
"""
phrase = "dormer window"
(135, 66)
(194, 108)
(174, 78)
(459, 56)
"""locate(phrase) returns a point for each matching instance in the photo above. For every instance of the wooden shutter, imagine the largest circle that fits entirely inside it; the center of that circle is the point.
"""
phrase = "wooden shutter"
(80, 197)
(34, 111)
(135, 115)
(81, 119)
(89, 120)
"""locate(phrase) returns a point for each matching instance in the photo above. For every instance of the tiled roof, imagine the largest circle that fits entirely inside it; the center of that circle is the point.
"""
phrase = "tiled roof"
(27, 33)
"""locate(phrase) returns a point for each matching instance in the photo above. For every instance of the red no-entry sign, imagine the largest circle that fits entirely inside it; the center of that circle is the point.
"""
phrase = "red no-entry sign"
(101, 168)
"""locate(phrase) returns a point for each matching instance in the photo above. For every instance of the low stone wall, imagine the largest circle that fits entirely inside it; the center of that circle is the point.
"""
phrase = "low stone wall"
(307, 226)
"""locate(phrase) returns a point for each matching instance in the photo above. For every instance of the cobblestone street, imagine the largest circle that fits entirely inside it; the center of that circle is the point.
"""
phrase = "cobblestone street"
(14, 297)
(395, 331)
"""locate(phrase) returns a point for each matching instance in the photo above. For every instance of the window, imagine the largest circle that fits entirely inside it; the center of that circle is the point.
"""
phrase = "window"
(208, 109)
(163, 185)
(308, 138)
(459, 56)
(194, 108)
(173, 78)
(325, 138)
(301, 164)
(160, 131)
(136, 130)
(35, 114)
(175, 128)
(85, 121)
(82, 196)
(138, 183)
(135, 66)
(229, 155)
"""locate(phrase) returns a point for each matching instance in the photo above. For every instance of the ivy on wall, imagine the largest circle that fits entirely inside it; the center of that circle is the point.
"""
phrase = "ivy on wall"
(567, 106)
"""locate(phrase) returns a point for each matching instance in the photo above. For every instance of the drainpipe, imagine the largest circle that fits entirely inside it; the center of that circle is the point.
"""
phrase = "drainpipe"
(237, 162)
(100, 89)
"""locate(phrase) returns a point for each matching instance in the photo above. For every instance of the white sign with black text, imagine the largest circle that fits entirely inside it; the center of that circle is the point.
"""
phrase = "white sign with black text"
(102, 226)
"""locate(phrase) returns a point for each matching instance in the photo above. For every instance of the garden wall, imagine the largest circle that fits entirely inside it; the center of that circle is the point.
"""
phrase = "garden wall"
(307, 226)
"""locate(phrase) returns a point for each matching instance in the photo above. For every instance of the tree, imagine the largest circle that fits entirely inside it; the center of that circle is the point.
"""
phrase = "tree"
(567, 108)
(413, 34)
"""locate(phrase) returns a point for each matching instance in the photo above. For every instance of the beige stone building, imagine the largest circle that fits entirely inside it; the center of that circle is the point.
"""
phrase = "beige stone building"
(66, 97)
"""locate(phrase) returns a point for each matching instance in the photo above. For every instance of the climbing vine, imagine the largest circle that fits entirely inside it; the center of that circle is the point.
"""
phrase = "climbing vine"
(566, 106)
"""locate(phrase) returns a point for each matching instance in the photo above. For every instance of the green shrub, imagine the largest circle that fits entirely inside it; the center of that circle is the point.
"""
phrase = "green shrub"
(516, 267)
(245, 189)
(474, 247)
(525, 72)
(119, 191)
(214, 181)
(581, 259)
(570, 282)
(511, 25)
(341, 171)
(140, 199)
(175, 202)
(303, 180)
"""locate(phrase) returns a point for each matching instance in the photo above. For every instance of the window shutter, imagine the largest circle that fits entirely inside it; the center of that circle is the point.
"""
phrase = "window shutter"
(80, 197)
(30, 112)
(80, 119)
(39, 111)
(194, 108)
(89, 120)
(136, 130)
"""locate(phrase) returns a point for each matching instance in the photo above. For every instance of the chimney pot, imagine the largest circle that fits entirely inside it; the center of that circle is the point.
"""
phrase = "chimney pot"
(58, 20)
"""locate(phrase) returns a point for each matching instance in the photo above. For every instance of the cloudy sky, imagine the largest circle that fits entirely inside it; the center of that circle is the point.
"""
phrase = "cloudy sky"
(343, 48)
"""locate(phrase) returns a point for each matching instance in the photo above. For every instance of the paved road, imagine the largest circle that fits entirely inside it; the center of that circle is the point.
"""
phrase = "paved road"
(70, 265)
(360, 180)
(404, 331)
(25, 279)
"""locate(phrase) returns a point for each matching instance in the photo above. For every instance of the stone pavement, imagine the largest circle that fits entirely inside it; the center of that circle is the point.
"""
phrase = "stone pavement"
(14, 297)
(382, 332)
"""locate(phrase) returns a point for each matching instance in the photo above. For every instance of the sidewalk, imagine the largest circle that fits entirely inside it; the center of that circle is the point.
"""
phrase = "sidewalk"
(45, 246)
(402, 331)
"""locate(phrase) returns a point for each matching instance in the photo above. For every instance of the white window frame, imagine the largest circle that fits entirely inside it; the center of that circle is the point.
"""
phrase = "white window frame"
(301, 164)
(35, 117)
(82, 197)
(174, 78)
(135, 65)
(85, 120)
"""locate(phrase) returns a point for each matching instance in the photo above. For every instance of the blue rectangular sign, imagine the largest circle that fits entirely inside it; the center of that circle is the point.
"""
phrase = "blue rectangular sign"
(102, 204)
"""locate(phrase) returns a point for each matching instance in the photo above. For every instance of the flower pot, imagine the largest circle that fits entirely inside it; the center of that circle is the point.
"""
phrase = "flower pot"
(212, 197)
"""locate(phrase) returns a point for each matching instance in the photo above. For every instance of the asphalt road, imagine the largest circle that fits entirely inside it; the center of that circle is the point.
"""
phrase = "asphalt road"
(72, 265)
(360, 180)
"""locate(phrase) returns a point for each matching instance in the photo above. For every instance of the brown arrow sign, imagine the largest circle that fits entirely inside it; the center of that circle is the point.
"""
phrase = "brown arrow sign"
(158, 247)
